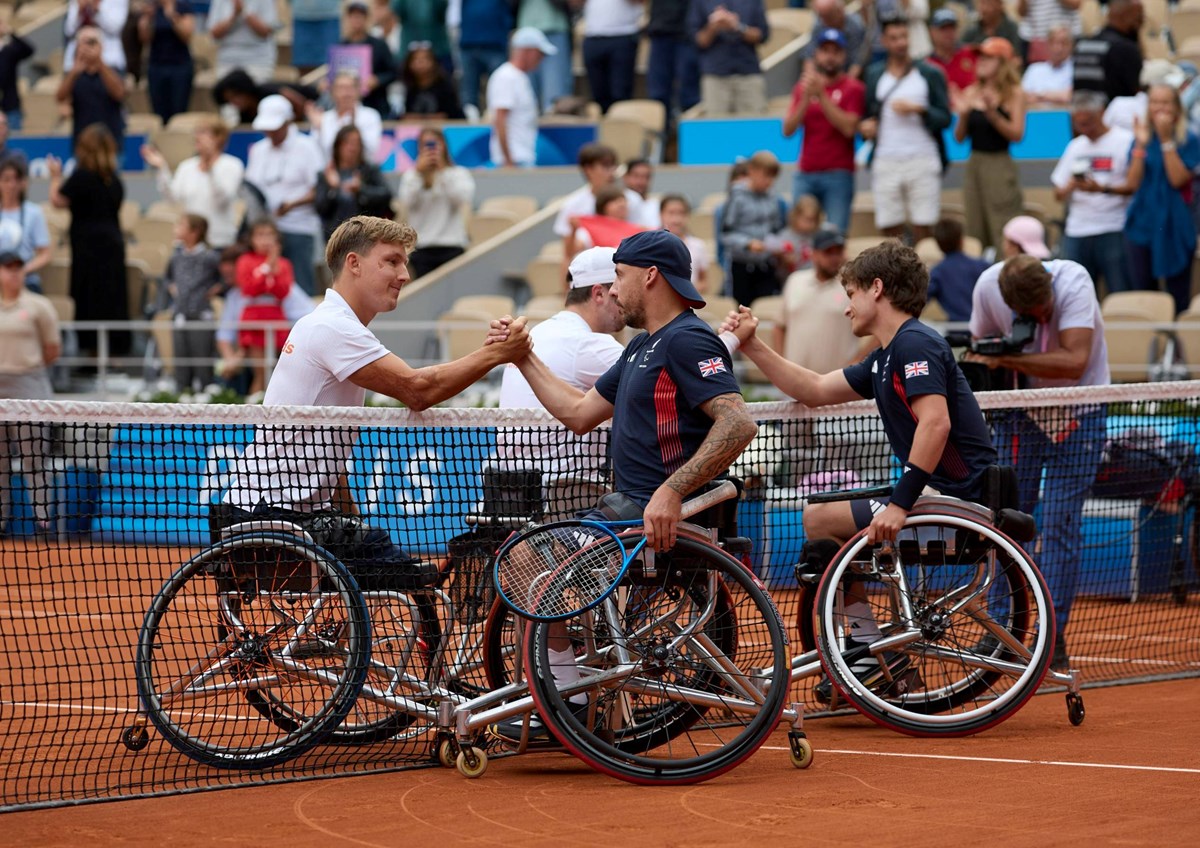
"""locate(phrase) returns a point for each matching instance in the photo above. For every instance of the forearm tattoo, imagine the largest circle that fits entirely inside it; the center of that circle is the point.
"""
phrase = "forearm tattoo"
(732, 430)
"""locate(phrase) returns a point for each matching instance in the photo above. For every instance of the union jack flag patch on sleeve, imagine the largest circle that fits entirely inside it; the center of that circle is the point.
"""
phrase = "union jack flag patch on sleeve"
(916, 369)
(708, 367)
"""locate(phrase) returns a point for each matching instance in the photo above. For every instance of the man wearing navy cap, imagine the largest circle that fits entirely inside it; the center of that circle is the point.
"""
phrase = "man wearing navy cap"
(828, 103)
(678, 418)
(956, 61)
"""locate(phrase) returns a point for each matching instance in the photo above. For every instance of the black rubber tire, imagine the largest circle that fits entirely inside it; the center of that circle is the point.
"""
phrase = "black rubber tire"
(674, 741)
(230, 613)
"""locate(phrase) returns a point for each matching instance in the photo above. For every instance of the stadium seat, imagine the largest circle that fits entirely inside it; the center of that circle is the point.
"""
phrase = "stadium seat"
(163, 210)
(202, 87)
(1189, 50)
(149, 231)
(544, 276)
(129, 215)
(164, 342)
(862, 220)
(461, 333)
(628, 137)
(482, 226)
(710, 202)
(48, 84)
(56, 278)
(1185, 24)
(142, 123)
(175, 145)
(1129, 348)
(154, 256)
(542, 307)
(702, 225)
(714, 279)
(1187, 333)
(798, 20)
(855, 246)
(649, 113)
(933, 312)
(188, 121)
(716, 308)
(137, 277)
(769, 311)
(929, 252)
(552, 250)
(1149, 305)
(42, 114)
(778, 38)
(36, 10)
(523, 206)
(204, 50)
(493, 304)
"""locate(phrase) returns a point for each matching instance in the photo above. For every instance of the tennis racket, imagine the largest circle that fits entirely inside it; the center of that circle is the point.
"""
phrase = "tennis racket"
(559, 570)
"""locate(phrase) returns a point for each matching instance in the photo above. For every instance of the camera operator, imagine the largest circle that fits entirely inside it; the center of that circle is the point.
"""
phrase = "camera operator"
(1067, 349)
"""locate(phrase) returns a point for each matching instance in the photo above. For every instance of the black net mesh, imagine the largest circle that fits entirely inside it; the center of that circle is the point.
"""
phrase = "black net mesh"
(103, 503)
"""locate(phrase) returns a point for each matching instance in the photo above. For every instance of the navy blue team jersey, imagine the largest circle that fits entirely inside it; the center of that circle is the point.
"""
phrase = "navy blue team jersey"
(656, 389)
(919, 362)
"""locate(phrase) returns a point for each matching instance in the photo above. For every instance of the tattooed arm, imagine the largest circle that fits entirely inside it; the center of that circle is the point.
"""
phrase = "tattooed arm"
(732, 430)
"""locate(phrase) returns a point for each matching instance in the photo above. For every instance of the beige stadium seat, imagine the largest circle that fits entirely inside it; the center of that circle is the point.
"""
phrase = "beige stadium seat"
(42, 114)
(142, 123)
(188, 121)
(523, 206)
(855, 246)
(1129, 348)
(164, 340)
(544, 276)
(649, 113)
(769, 311)
(862, 221)
(151, 231)
(552, 250)
(64, 306)
(129, 214)
(716, 307)
(461, 333)
(56, 278)
(1151, 305)
(48, 84)
(154, 256)
(493, 304)
(137, 279)
(933, 311)
(1187, 332)
(542, 307)
(714, 277)
(204, 50)
(702, 224)
(175, 145)
(778, 38)
(163, 210)
(710, 202)
(929, 252)
(627, 137)
(972, 246)
(799, 20)
(483, 226)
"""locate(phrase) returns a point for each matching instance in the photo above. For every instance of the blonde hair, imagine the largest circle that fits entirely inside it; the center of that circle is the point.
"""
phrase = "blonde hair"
(360, 234)
(217, 128)
(96, 151)
(1181, 129)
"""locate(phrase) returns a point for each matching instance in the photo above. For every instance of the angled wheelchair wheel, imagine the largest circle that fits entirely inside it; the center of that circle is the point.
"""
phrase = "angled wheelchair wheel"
(965, 623)
(262, 613)
(685, 670)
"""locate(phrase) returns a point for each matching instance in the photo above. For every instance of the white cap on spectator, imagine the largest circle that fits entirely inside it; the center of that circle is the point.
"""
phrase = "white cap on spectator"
(1161, 72)
(533, 37)
(593, 266)
(274, 111)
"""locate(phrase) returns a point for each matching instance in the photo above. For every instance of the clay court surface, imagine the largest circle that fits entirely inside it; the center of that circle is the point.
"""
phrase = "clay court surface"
(1129, 776)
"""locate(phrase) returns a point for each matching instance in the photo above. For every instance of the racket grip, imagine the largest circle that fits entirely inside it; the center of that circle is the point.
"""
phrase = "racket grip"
(723, 492)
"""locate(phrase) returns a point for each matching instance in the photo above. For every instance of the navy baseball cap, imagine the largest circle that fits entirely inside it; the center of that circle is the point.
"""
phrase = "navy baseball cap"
(944, 17)
(832, 36)
(667, 253)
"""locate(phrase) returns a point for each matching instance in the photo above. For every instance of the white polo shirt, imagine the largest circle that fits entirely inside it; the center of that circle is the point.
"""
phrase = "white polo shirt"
(299, 468)
(509, 88)
(1075, 306)
(287, 173)
(577, 356)
(368, 122)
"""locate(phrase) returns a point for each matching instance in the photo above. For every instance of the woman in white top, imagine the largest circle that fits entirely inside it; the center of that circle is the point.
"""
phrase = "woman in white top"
(206, 184)
(347, 109)
(23, 228)
(436, 195)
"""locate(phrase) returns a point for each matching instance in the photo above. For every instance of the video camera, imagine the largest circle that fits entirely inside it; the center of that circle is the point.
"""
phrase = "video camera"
(980, 377)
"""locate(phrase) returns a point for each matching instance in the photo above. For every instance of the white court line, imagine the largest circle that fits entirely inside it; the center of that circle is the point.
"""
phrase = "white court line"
(1128, 661)
(11, 613)
(995, 760)
(58, 705)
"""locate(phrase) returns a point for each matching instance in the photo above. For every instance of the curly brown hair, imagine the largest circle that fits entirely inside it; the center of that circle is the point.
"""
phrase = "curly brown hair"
(904, 276)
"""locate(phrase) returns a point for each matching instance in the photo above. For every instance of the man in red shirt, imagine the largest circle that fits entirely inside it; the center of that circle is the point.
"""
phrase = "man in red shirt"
(957, 62)
(828, 104)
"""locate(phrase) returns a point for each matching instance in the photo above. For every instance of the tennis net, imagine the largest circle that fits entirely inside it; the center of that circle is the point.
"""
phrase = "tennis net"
(102, 502)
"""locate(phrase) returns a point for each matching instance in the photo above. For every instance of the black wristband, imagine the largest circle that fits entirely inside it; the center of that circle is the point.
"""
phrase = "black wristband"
(912, 483)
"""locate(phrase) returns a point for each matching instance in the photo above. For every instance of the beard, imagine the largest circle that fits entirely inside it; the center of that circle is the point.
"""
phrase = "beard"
(634, 316)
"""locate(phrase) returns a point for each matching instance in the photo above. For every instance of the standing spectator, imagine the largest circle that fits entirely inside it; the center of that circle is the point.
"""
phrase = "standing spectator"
(598, 162)
(94, 194)
(993, 22)
(727, 33)
(992, 116)
(752, 216)
(907, 109)
(206, 184)
(383, 60)
(1039, 18)
(316, 25)
(424, 22)
(350, 184)
(674, 212)
(193, 279)
(284, 167)
(828, 104)
(245, 34)
(29, 345)
(831, 14)
(429, 94)
(610, 39)
(673, 74)
(1159, 230)
(553, 78)
(815, 333)
(512, 102)
(639, 174)
(108, 17)
(264, 277)
(1068, 349)
(167, 26)
(346, 111)
(1111, 60)
(7, 152)
(483, 44)
(14, 51)
(1048, 82)
(94, 89)
(23, 223)
(952, 280)
(956, 61)
(1092, 176)
(914, 12)
(437, 194)
(386, 27)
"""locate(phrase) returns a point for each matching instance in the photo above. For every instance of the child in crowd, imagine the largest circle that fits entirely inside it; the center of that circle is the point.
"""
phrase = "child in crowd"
(231, 368)
(608, 226)
(193, 279)
(952, 281)
(796, 242)
(753, 214)
(264, 278)
(674, 210)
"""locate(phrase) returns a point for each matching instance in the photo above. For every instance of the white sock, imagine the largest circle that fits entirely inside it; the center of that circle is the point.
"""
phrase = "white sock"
(863, 628)
(565, 672)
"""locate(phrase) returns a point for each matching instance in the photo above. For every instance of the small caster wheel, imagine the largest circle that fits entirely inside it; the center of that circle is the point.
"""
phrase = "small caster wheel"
(1075, 711)
(135, 737)
(801, 750)
(472, 762)
(447, 753)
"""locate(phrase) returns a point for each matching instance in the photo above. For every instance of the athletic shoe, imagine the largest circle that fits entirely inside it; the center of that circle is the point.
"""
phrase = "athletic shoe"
(509, 731)
(866, 668)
